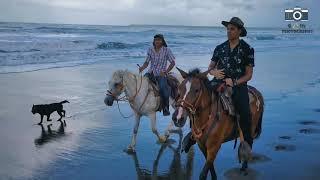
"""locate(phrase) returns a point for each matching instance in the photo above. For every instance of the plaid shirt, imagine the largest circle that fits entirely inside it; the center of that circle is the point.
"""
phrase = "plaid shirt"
(159, 59)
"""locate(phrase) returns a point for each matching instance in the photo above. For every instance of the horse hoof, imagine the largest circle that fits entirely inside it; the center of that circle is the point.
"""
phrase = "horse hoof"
(202, 177)
(130, 150)
(244, 172)
(163, 139)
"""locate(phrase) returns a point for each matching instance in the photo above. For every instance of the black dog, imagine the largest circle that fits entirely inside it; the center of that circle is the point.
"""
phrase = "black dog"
(48, 109)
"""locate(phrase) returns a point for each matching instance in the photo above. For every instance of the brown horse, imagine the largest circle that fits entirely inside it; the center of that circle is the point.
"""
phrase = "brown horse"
(211, 125)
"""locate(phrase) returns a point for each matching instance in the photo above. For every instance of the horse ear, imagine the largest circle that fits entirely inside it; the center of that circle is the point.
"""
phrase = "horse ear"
(183, 74)
(204, 74)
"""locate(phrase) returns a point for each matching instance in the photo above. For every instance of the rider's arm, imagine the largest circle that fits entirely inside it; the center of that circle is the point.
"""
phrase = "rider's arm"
(171, 66)
(217, 73)
(249, 63)
(247, 77)
(171, 59)
(146, 63)
(211, 66)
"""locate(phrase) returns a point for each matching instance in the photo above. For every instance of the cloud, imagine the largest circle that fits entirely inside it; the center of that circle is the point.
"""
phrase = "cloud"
(171, 12)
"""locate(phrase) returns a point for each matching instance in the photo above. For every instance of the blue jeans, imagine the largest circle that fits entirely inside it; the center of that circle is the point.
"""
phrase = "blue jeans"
(164, 90)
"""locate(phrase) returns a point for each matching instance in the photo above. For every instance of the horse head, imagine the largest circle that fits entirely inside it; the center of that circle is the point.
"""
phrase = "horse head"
(191, 95)
(115, 87)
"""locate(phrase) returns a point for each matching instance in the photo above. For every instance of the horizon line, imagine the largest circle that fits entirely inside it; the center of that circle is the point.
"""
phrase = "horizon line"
(179, 25)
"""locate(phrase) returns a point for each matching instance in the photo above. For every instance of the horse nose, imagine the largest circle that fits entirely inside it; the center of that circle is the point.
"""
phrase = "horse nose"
(174, 118)
(108, 101)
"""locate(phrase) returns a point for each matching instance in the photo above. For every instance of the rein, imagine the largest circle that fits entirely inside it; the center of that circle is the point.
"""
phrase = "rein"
(191, 108)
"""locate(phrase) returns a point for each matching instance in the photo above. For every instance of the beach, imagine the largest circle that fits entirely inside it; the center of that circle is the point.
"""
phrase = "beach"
(90, 143)
(94, 137)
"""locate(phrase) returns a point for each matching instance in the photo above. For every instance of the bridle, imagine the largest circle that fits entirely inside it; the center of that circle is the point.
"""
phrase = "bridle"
(188, 106)
(125, 97)
(191, 108)
(128, 99)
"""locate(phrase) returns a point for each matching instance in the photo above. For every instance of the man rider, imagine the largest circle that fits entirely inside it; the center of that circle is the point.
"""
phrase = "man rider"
(233, 62)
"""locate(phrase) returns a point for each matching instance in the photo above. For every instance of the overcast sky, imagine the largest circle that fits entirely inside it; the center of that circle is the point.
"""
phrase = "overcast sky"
(255, 13)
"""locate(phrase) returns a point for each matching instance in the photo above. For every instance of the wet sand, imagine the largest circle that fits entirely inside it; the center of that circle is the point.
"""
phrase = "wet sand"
(91, 141)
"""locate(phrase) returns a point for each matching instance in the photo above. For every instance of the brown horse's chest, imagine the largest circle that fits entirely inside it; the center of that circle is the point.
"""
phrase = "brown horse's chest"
(221, 130)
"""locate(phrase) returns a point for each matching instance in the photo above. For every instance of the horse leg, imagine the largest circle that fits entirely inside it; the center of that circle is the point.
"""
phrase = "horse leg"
(132, 146)
(244, 167)
(211, 156)
(152, 116)
(205, 169)
(169, 128)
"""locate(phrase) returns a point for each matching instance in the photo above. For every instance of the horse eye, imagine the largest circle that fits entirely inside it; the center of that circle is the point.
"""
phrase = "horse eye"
(197, 90)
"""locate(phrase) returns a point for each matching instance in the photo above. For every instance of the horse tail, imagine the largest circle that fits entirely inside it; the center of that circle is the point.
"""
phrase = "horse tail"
(259, 126)
(173, 82)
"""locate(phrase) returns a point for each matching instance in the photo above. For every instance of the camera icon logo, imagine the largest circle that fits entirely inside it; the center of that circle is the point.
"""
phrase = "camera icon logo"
(296, 14)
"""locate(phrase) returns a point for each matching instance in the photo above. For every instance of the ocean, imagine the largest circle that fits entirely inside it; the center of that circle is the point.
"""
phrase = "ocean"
(30, 47)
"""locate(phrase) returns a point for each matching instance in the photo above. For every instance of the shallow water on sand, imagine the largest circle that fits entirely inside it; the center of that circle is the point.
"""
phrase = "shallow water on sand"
(91, 143)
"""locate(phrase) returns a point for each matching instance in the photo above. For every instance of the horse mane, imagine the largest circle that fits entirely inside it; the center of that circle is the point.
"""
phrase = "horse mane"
(196, 73)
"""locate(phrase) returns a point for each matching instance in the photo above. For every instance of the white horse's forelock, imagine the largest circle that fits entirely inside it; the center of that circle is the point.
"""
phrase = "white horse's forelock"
(117, 77)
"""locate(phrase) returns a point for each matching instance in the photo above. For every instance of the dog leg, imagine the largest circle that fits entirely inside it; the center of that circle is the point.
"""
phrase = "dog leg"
(41, 119)
(48, 117)
(61, 115)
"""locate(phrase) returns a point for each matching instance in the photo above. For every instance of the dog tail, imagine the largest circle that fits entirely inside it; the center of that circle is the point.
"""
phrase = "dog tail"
(65, 101)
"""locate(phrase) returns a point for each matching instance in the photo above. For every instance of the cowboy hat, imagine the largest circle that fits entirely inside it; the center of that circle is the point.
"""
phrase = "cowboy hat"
(237, 22)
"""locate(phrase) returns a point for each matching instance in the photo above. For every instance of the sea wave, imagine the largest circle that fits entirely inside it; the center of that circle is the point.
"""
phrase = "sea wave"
(270, 37)
(62, 29)
(18, 51)
(119, 45)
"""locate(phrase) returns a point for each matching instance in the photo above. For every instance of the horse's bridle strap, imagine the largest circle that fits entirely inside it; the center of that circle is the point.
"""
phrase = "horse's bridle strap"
(185, 104)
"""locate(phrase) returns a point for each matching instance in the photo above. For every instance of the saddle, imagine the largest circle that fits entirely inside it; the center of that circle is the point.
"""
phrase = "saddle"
(173, 84)
(225, 93)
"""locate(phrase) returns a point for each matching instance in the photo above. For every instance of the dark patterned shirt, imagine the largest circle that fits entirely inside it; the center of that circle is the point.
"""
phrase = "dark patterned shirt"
(234, 61)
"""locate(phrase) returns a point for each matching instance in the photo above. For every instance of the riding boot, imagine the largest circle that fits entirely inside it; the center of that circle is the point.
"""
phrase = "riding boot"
(187, 142)
(166, 111)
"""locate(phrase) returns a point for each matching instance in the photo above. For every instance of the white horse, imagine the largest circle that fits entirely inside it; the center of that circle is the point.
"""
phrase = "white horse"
(142, 99)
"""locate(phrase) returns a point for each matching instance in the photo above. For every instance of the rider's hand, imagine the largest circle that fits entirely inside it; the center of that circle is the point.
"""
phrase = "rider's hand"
(229, 82)
(217, 73)
(140, 69)
(163, 73)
